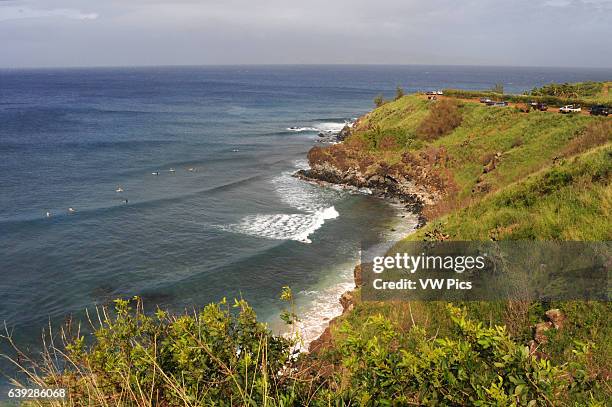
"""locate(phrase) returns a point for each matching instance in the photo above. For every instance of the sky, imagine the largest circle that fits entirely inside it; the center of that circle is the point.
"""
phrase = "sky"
(61, 33)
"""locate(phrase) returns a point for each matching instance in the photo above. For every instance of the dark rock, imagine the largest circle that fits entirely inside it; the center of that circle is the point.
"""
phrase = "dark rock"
(322, 342)
(399, 189)
(344, 133)
(421, 221)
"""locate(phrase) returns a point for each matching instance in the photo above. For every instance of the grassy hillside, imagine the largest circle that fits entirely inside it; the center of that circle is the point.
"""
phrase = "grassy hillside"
(489, 150)
(509, 175)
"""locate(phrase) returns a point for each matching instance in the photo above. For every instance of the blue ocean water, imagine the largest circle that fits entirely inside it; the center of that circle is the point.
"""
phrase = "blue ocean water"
(223, 217)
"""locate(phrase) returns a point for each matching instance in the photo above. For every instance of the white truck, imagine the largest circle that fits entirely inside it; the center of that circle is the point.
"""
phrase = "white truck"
(570, 109)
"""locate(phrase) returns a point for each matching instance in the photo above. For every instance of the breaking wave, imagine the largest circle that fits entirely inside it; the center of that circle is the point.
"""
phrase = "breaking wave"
(296, 226)
(313, 206)
(325, 127)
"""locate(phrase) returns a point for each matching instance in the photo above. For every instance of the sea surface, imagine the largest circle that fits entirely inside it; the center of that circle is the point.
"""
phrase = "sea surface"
(208, 208)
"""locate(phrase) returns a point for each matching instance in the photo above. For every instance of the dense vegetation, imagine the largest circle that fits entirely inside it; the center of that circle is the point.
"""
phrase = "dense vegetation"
(222, 358)
(500, 174)
(596, 91)
(585, 94)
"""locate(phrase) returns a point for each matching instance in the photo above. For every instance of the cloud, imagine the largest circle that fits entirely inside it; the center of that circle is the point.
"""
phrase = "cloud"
(8, 13)
(145, 32)
(596, 4)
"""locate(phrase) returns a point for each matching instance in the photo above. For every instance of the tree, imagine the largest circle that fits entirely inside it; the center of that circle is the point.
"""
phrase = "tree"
(498, 88)
(399, 93)
(379, 100)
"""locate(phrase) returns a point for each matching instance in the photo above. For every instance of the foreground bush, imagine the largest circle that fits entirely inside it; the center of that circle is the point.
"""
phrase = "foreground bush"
(222, 358)
(219, 356)
(480, 366)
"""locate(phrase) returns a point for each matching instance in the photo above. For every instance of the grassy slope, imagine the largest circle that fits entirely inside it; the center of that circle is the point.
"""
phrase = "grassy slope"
(567, 201)
(534, 195)
(528, 142)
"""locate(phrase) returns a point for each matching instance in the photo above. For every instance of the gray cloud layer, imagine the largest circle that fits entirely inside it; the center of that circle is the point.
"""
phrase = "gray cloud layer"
(144, 32)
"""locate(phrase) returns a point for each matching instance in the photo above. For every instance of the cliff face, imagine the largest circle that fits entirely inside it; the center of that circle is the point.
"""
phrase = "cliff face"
(408, 181)
(389, 186)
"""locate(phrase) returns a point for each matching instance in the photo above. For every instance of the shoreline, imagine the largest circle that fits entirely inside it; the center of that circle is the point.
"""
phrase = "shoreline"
(407, 198)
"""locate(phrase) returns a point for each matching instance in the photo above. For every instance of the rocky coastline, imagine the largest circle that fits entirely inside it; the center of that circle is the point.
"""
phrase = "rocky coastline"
(399, 191)
(412, 197)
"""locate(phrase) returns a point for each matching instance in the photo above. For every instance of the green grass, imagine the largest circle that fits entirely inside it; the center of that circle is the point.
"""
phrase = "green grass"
(567, 201)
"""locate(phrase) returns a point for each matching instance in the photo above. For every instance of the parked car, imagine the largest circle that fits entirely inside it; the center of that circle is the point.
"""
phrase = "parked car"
(497, 104)
(570, 109)
(539, 106)
(439, 92)
(485, 100)
(600, 110)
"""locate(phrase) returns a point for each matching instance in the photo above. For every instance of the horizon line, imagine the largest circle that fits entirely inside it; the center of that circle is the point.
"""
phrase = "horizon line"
(49, 67)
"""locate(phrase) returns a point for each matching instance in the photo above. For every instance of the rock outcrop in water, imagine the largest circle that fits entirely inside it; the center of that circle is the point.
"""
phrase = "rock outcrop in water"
(401, 189)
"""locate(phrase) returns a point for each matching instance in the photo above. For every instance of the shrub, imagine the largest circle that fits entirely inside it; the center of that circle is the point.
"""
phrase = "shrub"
(379, 100)
(477, 366)
(569, 90)
(443, 118)
(399, 93)
(387, 143)
(498, 88)
(222, 356)
(219, 356)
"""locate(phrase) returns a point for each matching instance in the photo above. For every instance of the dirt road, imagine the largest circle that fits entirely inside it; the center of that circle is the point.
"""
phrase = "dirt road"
(522, 106)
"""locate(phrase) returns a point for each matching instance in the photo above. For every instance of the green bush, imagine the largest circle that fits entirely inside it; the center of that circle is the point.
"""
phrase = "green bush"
(379, 100)
(220, 356)
(479, 366)
(399, 93)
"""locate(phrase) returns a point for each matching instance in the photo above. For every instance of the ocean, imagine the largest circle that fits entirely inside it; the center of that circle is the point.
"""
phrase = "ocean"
(202, 158)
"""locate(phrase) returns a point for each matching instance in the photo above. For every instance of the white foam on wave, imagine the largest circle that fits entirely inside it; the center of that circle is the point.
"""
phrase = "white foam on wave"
(294, 226)
(301, 129)
(316, 307)
(332, 127)
(315, 206)
(325, 127)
